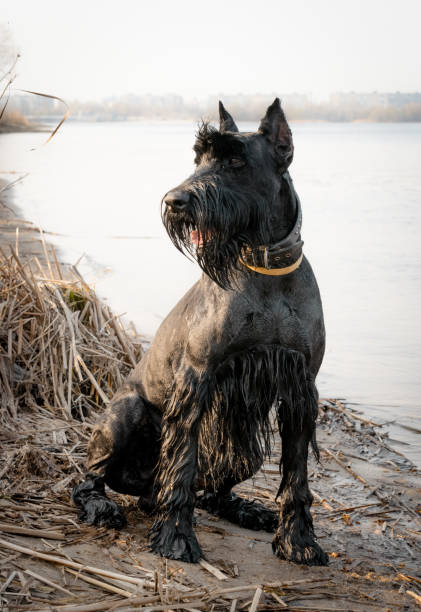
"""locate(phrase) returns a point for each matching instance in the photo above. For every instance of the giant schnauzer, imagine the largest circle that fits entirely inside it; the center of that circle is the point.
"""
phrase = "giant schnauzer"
(247, 338)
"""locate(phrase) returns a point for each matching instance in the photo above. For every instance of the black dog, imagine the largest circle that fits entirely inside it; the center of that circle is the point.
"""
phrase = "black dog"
(249, 336)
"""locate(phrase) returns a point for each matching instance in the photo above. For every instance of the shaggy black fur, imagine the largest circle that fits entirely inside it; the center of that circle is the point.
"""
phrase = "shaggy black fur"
(195, 413)
(236, 434)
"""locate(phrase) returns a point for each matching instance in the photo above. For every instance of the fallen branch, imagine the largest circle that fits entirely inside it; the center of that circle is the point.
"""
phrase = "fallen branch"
(345, 467)
(213, 570)
(34, 533)
(414, 596)
(74, 564)
(49, 582)
(104, 605)
(256, 600)
(103, 585)
(337, 406)
(322, 501)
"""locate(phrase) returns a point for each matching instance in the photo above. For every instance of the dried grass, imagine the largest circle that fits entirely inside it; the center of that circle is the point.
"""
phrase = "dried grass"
(61, 348)
(30, 461)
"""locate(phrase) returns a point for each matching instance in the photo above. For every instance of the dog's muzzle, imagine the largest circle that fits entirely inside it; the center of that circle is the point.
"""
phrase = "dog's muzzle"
(177, 200)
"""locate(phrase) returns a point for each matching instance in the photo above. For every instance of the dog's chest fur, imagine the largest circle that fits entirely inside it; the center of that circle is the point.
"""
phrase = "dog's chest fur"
(236, 429)
(218, 323)
(237, 354)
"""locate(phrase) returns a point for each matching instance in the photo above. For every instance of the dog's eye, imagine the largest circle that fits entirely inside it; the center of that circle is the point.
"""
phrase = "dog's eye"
(236, 162)
(283, 148)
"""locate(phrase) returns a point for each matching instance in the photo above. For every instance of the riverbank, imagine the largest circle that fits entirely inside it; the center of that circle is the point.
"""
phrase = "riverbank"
(14, 230)
(16, 122)
(365, 512)
(10, 128)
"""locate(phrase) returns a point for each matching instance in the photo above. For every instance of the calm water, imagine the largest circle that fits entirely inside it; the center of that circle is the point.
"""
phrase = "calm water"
(100, 185)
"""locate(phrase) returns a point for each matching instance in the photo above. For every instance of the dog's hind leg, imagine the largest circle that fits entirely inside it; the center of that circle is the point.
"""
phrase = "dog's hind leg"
(295, 539)
(122, 453)
(244, 512)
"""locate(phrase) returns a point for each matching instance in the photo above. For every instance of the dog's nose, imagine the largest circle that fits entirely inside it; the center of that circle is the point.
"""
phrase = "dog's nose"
(177, 200)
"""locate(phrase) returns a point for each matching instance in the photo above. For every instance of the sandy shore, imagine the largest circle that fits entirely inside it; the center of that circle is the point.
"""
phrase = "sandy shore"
(14, 230)
(366, 513)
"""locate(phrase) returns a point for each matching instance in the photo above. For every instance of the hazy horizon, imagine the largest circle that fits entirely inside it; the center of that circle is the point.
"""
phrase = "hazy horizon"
(26, 110)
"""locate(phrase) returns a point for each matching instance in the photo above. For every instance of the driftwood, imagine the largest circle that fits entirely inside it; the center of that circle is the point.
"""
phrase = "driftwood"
(49, 582)
(73, 564)
(34, 533)
(213, 570)
(103, 585)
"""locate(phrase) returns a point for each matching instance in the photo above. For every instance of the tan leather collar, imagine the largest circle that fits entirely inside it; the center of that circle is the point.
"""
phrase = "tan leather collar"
(275, 271)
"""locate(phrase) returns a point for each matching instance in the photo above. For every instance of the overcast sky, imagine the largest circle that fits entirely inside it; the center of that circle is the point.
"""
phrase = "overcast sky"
(94, 48)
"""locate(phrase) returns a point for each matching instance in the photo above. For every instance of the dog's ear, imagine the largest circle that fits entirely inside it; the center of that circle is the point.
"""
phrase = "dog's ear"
(226, 122)
(275, 128)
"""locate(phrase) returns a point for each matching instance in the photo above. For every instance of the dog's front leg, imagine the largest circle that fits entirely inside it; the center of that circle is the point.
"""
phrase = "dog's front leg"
(172, 534)
(295, 540)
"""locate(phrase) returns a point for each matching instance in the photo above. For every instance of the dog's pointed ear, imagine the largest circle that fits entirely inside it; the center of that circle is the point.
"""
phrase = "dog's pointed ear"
(275, 128)
(226, 122)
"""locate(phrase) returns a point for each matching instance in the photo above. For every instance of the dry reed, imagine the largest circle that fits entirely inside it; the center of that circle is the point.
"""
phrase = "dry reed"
(61, 348)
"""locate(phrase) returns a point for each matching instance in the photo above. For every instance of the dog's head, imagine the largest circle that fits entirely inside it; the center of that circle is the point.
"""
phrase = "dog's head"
(232, 201)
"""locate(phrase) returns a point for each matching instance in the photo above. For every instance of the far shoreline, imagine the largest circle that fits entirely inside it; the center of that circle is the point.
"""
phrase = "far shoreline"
(11, 128)
(53, 120)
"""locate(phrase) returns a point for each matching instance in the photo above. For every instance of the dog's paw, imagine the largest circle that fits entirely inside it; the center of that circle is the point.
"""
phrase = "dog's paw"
(175, 540)
(102, 512)
(243, 512)
(95, 507)
(254, 515)
(302, 549)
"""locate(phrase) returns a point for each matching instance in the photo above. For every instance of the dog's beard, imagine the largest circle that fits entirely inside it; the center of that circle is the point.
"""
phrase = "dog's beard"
(219, 226)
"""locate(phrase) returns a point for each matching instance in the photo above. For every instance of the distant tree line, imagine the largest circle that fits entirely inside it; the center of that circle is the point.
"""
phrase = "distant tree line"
(374, 106)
